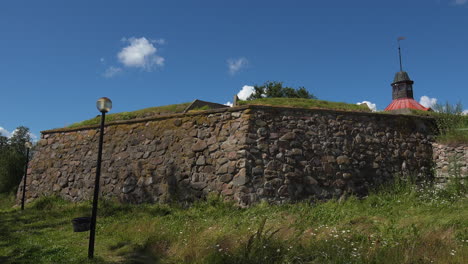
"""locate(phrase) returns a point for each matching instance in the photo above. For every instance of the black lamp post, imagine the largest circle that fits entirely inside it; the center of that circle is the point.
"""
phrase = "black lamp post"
(28, 146)
(104, 105)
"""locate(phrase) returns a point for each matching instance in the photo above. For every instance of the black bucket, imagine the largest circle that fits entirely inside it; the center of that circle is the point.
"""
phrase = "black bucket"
(81, 224)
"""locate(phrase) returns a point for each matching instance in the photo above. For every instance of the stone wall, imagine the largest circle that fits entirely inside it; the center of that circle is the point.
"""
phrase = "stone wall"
(179, 157)
(246, 154)
(451, 160)
(298, 154)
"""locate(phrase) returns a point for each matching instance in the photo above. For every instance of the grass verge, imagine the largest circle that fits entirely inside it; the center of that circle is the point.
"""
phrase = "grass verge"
(402, 224)
(147, 112)
(307, 103)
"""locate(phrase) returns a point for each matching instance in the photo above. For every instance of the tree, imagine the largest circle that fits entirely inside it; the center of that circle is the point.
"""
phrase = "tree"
(19, 137)
(273, 89)
(3, 143)
(13, 159)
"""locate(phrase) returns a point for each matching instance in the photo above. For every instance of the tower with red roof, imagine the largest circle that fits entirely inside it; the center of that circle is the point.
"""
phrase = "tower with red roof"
(402, 92)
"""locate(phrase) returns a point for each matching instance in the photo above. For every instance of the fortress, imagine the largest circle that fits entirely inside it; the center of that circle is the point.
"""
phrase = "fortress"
(246, 153)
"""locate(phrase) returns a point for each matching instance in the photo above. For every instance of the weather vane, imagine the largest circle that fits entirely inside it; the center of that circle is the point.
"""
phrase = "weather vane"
(399, 51)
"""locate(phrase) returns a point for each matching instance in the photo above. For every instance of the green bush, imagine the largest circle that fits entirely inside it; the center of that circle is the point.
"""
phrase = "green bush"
(451, 123)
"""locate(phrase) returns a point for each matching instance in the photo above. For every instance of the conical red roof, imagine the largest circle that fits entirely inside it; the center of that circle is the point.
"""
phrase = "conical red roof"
(403, 103)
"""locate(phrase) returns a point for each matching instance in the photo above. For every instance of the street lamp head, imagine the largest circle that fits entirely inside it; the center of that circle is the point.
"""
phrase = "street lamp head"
(28, 145)
(104, 105)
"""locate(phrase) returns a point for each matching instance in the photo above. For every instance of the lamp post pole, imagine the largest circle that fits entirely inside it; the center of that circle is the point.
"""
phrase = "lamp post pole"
(28, 146)
(104, 105)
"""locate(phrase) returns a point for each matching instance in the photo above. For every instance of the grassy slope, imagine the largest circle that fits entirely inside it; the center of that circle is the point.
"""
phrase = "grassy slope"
(307, 103)
(177, 108)
(396, 226)
(167, 109)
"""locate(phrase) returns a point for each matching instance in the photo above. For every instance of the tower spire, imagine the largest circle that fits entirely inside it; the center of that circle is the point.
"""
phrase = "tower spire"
(399, 51)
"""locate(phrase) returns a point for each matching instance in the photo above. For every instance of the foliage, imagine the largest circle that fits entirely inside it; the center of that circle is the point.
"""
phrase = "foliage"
(306, 103)
(401, 223)
(147, 112)
(13, 159)
(272, 89)
(452, 124)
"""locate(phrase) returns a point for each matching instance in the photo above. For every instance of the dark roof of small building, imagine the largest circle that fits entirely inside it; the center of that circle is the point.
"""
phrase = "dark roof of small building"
(199, 104)
(401, 77)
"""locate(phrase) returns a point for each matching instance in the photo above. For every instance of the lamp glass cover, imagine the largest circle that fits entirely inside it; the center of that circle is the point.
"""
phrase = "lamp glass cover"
(104, 104)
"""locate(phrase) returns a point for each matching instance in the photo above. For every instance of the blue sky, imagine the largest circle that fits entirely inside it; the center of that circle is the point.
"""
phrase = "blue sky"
(59, 57)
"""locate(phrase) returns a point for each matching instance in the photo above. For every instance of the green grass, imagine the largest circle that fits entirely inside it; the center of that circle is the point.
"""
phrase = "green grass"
(147, 112)
(178, 108)
(307, 103)
(401, 224)
(453, 128)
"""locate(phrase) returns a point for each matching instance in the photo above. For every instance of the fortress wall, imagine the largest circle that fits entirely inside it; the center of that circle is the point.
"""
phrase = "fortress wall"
(182, 157)
(298, 154)
(246, 154)
(451, 160)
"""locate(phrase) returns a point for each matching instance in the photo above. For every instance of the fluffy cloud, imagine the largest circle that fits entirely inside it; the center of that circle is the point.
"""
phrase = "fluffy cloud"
(460, 2)
(140, 53)
(228, 104)
(426, 101)
(245, 92)
(235, 65)
(465, 112)
(4, 132)
(372, 107)
(111, 72)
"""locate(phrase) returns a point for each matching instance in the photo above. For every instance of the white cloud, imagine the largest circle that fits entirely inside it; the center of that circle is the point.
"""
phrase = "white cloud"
(4, 132)
(235, 65)
(111, 72)
(228, 104)
(465, 112)
(140, 53)
(460, 2)
(426, 101)
(372, 107)
(160, 41)
(34, 138)
(245, 92)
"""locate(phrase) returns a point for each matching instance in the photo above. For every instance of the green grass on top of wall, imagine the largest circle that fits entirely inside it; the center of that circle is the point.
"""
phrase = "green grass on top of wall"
(147, 112)
(307, 103)
(178, 108)
(453, 128)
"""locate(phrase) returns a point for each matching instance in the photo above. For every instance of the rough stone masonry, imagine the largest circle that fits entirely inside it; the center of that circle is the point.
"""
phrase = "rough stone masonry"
(246, 154)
